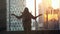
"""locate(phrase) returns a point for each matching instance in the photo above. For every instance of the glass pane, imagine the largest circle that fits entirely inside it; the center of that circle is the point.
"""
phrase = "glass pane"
(14, 7)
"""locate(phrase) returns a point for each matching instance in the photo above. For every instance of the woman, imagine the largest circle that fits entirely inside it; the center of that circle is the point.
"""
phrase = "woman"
(26, 16)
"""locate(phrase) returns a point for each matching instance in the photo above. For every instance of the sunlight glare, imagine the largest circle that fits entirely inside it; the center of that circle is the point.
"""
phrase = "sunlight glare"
(51, 16)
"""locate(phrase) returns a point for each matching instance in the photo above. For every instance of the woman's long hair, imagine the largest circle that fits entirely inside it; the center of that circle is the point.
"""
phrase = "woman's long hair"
(26, 11)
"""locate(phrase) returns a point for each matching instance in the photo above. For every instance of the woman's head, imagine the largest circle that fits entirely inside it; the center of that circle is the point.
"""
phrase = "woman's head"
(26, 10)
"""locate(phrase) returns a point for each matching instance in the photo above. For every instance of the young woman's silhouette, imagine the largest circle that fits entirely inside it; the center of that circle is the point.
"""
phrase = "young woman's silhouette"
(26, 16)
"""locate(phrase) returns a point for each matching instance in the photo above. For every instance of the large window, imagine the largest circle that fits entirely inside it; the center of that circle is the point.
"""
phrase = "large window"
(49, 8)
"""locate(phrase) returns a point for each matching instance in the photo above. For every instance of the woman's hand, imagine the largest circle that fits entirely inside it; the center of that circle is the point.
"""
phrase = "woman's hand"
(40, 15)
